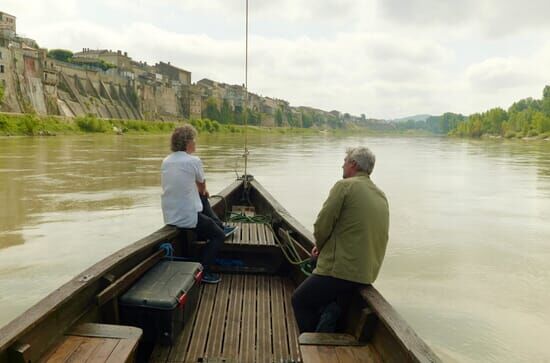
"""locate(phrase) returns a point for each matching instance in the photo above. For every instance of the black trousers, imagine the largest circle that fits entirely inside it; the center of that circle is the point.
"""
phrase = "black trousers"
(209, 228)
(315, 293)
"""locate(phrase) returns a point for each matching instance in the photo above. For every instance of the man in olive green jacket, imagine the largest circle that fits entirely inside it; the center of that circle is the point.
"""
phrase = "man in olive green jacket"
(351, 234)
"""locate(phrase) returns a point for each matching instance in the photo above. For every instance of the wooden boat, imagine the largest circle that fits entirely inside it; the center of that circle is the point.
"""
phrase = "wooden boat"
(245, 318)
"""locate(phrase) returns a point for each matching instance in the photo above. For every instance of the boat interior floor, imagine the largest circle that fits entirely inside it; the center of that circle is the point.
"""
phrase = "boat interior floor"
(244, 318)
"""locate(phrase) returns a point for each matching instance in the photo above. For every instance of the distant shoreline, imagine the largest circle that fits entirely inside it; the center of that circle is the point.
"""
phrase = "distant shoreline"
(25, 125)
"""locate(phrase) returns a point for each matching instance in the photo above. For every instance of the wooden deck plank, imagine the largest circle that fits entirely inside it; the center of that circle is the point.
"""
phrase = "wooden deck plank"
(263, 342)
(270, 237)
(202, 325)
(233, 324)
(64, 350)
(366, 354)
(258, 323)
(253, 233)
(161, 353)
(245, 239)
(103, 350)
(318, 354)
(215, 336)
(84, 350)
(261, 234)
(180, 347)
(248, 328)
(123, 351)
(291, 326)
(279, 339)
(233, 238)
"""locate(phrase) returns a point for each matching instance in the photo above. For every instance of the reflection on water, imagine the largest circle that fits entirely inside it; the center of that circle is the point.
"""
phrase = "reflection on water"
(466, 264)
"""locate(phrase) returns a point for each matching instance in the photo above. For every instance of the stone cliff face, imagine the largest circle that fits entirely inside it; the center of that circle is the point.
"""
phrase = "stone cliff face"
(35, 83)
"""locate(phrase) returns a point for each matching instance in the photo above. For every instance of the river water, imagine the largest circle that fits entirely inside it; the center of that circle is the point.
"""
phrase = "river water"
(466, 266)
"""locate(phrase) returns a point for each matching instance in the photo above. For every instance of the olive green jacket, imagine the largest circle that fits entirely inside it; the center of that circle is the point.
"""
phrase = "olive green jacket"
(351, 230)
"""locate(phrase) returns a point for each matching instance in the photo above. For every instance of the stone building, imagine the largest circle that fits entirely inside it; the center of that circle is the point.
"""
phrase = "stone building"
(177, 75)
(118, 58)
(7, 25)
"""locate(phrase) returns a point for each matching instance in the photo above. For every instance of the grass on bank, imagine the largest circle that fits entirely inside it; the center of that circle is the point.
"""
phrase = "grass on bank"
(35, 125)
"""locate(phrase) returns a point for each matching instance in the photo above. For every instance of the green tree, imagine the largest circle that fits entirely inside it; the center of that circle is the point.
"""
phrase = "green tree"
(546, 100)
(61, 54)
(541, 122)
(493, 119)
(279, 117)
(211, 111)
(226, 113)
(307, 120)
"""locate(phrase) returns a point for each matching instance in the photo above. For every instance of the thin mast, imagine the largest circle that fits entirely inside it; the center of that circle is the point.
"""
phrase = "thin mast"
(246, 102)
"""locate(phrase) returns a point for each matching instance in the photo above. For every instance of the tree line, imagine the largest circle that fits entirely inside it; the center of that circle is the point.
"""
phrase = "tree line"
(222, 112)
(525, 118)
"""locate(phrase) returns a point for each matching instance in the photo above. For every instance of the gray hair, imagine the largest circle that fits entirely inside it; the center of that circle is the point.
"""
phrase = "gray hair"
(181, 137)
(363, 157)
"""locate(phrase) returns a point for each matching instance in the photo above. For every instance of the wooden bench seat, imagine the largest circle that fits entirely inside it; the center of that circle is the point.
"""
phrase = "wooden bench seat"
(335, 348)
(251, 234)
(97, 343)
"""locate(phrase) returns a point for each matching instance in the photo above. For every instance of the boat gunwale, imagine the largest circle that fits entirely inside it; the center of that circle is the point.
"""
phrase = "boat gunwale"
(412, 344)
(46, 307)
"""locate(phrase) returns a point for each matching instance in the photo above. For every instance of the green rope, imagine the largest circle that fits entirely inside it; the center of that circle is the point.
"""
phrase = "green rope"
(287, 247)
(242, 218)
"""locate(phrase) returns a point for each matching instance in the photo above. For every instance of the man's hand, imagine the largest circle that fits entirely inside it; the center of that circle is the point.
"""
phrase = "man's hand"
(201, 187)
(314, 252)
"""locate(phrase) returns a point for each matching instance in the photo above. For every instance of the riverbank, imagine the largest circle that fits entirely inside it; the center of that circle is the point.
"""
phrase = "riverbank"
(36, 125)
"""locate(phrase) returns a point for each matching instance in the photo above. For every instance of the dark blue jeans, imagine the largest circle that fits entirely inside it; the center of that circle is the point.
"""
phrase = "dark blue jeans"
(315, 293)
(209, 228)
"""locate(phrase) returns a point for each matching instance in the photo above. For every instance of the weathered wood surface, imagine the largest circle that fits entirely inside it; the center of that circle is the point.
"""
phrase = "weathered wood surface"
(402, 338)
(96, 343)
(46, 321)
(328, 339)
(242, 319)
(307, 237)
(400, 333)
(251, 234)
(126, 280)
(339, 354)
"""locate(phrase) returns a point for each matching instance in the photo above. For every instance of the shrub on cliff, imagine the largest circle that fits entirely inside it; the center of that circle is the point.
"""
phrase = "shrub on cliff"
(91, 124)
(61, 54)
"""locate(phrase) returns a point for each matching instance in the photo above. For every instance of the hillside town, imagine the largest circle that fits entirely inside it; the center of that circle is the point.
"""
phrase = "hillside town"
(109, 83)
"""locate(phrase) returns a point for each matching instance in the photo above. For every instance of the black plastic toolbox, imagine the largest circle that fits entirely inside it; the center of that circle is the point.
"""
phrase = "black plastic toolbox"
(163, 300)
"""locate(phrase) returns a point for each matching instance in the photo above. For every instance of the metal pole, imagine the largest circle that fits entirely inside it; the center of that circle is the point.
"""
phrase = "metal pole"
(246, 104)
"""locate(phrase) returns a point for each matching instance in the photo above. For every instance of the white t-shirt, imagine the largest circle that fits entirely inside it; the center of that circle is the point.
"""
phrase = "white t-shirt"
(180, 197)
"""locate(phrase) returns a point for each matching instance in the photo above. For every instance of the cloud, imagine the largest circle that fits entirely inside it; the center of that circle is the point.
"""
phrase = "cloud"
(500, 73)
(381, 58)
(492, 18)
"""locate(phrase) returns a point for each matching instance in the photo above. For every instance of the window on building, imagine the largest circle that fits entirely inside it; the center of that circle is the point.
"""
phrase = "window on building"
(1, 68)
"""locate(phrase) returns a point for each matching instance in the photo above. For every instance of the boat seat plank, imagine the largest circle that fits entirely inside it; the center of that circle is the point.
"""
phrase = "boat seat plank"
(248, 324)
(233, 322)
(291, 325)
(96, 343)
(280, 343)
(339, 354)
(263, 337)
(251, 234)
(245, 318)
(202, 324)
(214, 346)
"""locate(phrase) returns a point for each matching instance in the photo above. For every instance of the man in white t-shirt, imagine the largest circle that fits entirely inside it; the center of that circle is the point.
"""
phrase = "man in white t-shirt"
(185, 197)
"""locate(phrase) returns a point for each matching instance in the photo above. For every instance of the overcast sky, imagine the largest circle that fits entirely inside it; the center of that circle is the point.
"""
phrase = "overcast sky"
(383, 58)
